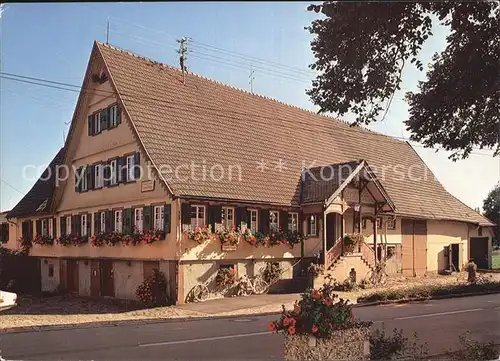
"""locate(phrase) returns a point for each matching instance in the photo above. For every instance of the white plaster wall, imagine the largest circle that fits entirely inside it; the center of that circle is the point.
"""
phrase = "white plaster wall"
(199, 273)
(84, 277)
(127, 278)
(50, 284)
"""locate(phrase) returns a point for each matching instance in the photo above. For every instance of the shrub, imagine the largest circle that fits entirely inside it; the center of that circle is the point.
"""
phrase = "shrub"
(475, 350)
(317, 313)
(226, 276)
(152, 292)
(315, 269)
(272, 272)
(396, 346)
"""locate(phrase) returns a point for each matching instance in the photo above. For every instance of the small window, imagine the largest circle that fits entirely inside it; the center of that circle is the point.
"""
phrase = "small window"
(138, 220)
(51, 270)
(312, 225)
(113, 116)
(112, 172)
(253, 221)
(118, 221)
(391, 223)
(197, 216)
(159, 217)
(83, 179)
(227, 217)
(45, 227)
(391, 250)
(98, 176)
(293, 221)
(130, 168)
(273, 220)
(379, 223)
(84, 225)
(103, 222)
(68, 225)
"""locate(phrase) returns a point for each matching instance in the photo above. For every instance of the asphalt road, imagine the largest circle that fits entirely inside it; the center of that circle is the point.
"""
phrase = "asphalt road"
(438, 323)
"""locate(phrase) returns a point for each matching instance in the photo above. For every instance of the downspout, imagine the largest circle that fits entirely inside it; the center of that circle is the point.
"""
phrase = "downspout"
(325, 250)
(180, 274)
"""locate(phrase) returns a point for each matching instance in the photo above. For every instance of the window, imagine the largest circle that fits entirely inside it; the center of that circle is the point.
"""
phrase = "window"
(103, 222)
(68, 225)
(273, 220)
(391, 223)
(98, 176)
(51, 270)
(312, 225)
(112, 172)
(130, 168)
(293, 221)
(197, 216)
(81, 179)
(159, 217)
(118, 221)
(138, 212)
(253, 221)
(4, 232)
(97, 123)
(45, 227)
(114, 117)
(84, 225)
(227, 217)
(379, 223)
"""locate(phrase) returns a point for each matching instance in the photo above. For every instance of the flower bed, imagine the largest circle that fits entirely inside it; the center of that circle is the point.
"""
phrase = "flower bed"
(320, 327)
(43, 240)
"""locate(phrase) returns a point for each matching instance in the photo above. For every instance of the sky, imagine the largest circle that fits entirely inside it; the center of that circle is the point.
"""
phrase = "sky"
(227, 40)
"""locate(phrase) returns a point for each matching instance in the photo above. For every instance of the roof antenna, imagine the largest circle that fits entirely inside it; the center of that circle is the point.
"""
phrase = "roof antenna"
(183, 56)
(252, 78)
(107, 32)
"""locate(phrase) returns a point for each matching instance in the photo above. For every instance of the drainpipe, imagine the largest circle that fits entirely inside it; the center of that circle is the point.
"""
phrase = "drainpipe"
(180, 275)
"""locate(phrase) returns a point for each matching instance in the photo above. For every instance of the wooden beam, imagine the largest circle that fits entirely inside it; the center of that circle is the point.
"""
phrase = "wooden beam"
(375, 240)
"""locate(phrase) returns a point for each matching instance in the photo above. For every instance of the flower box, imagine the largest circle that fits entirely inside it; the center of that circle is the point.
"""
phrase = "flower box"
(347, 344)
(229, 247)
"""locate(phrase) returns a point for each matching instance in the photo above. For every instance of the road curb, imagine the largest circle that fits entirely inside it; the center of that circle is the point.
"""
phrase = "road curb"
(69, 326)
(420, 299)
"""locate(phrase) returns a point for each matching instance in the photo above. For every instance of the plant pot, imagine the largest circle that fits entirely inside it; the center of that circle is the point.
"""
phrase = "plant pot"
(229, 247)
(349, 344)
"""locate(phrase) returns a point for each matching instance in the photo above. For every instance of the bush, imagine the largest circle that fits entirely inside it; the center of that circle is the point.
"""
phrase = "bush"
(317, 313)
(152, 292)
(396, 347)
(474, 350)
(272, 272)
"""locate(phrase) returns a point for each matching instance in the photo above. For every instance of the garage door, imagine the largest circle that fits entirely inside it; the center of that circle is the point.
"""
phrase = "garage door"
(414, 250)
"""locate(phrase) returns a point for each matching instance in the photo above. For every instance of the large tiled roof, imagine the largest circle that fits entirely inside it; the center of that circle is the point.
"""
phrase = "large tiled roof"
(202, 121)
(37, 200)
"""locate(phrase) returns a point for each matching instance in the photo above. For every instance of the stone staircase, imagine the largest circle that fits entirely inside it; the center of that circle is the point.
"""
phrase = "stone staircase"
(341, 268)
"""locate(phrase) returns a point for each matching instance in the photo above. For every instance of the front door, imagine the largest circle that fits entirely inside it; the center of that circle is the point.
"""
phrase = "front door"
(414, 247)
(72, 274)
(330, 230)
(107, 280)
(95, 278)
(479, 251)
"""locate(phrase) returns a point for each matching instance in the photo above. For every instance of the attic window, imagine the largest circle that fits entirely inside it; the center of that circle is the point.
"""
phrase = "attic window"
(100, 78)
(42, 206)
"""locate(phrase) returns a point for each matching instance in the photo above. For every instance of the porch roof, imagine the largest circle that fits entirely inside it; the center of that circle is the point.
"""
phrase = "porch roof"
(324, 183)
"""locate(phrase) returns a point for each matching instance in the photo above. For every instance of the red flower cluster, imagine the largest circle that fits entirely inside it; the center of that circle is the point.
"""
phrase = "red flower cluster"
(200, 234)
(43, 240)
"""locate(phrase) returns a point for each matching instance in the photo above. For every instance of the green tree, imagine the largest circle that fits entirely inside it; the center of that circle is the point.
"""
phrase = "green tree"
(361, 49)
(491, 208)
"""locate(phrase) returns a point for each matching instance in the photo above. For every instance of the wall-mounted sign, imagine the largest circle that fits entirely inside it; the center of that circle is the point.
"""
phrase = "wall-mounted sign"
(147, 186)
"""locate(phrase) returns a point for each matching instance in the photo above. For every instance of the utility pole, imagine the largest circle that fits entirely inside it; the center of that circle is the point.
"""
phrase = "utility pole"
(183, 56)
(107, 32)
(252, 78)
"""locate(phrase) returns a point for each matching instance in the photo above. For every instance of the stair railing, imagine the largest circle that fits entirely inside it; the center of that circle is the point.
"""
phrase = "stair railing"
(333, 253)
(368, 254)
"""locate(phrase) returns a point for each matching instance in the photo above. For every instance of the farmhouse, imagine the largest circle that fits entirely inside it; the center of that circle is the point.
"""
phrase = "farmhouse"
(153, 153)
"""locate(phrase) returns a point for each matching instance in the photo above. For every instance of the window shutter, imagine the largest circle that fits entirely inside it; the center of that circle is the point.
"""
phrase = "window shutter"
(166, 217)
(91, 124)
(108, 221)
(283, 221)
(62, 224)
(104, 119)
(264, 221)
(74, 225)
(240, 216)
(118, 114)
(89, 173)
(146, 216)
(137, 163)
(97, 223)
(25, 229)
(30, 228)
(54, 227)
(89, 224)
(318, 221)
(186, 213)
(123, 169)
(38, 225)
(214, 216)
(127, 221)
(77, 184)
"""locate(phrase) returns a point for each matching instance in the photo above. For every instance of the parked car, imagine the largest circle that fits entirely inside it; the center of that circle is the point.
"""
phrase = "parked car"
(7, 300)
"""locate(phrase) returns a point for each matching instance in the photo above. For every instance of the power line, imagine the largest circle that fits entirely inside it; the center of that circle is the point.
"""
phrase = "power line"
(11, 186)
(180, 104)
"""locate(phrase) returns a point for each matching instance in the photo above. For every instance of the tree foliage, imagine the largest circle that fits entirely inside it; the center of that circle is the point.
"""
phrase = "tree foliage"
(491, 207)
(361, 49)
